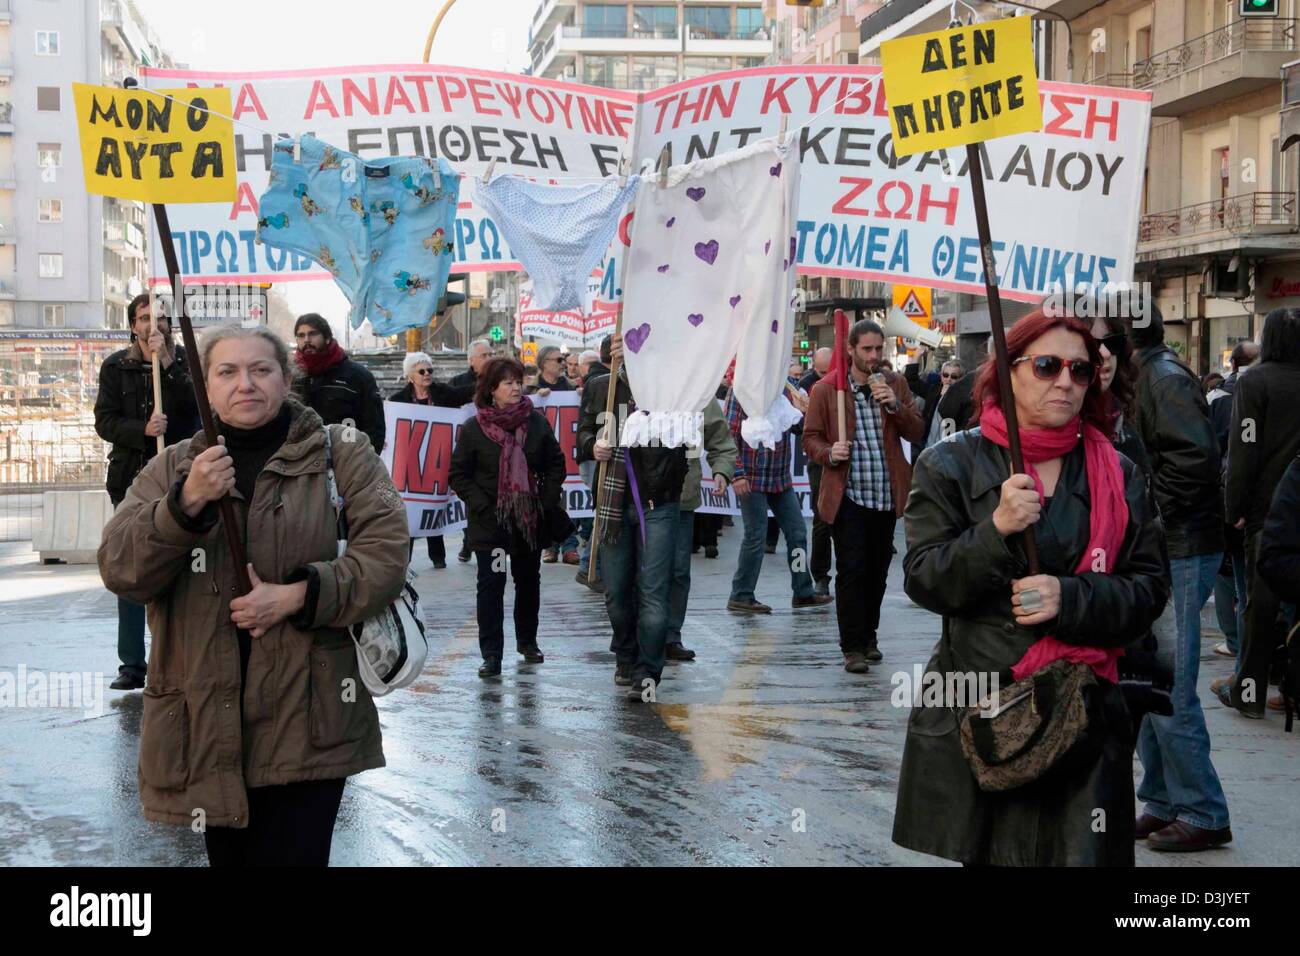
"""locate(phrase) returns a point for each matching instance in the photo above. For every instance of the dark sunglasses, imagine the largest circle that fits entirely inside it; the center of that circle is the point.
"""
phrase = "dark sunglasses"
(948, 377)
(1116, 343)
(1048, 368)
(424, 371)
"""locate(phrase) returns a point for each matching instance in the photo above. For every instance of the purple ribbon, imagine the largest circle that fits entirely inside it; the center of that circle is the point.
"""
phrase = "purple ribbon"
(636, 495)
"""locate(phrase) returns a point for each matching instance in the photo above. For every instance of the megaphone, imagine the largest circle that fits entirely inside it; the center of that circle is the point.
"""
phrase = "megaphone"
(899, 325)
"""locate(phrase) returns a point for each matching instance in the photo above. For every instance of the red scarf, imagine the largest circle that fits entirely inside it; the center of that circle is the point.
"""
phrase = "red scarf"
(1107, 522)
(317, 362)
(517, 502)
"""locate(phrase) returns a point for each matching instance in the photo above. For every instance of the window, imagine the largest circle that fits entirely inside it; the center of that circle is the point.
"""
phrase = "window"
(654, 22)
(52, 316)
(50, 210)
(47, 42)
(6, 309)
(746, 62)
(749, 20)
(652, 72)
(51, 265)
(608, 71)
(701, 65)
(49, 155)
(604, 20)
(707, 23)
(47, 99)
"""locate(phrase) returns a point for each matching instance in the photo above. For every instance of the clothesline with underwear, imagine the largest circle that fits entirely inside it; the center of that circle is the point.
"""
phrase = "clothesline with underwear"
(558, 179)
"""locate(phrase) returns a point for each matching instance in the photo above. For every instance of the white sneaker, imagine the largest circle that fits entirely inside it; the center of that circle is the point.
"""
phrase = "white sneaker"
(1222, 650)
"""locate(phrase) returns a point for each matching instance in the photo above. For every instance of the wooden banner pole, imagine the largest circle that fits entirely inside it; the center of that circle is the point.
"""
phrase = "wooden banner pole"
(225, 505)
(153, 327)
(975, 163)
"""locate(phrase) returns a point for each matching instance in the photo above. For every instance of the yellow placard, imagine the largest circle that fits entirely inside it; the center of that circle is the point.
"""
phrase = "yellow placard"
(916, 302)
(528, 353)
(136, 144)
(960, 86)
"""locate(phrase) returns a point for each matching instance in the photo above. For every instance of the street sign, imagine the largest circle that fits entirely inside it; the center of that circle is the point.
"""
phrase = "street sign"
(528, 354)
(497, 333)
(916, 302)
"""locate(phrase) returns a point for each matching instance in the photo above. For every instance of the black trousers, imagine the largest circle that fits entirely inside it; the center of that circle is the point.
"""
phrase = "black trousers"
(288, 825)
(705, 534)
(864, 541)
(773, 533)
(526, 568)
(820, 561)
(1262, 633)
(437, 549)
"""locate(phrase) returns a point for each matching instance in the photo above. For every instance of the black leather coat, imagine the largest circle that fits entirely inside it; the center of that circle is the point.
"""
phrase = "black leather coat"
(476, 465)
(959, 566)
(660, 471)
(1186, 473)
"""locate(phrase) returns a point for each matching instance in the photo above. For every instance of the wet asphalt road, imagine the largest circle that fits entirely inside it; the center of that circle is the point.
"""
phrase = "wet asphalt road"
(762, 751)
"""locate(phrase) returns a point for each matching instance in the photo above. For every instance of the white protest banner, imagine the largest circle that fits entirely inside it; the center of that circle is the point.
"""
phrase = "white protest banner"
(417, 453)
(537, 127)
(577, 330)
(864, 213)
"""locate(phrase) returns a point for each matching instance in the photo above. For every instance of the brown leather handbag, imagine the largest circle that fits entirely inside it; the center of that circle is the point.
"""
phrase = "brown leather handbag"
(1034, 725)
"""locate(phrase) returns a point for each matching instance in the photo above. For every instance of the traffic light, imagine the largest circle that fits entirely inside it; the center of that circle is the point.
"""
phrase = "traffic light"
(1259, 8)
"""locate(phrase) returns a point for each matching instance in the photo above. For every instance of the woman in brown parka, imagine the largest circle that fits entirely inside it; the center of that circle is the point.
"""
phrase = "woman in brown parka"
(254, 711)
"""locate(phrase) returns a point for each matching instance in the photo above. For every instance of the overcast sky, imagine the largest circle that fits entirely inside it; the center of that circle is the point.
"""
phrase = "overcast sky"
(294, 34)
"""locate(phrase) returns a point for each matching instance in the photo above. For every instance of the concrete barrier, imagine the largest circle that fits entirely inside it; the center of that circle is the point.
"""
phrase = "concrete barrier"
(71, 525)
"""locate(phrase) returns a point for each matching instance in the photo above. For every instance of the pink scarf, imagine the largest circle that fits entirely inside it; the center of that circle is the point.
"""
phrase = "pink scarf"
(517, 503)
(1107, 522)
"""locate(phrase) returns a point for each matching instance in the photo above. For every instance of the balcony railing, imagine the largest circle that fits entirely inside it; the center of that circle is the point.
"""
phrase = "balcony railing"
(1238, 214)
(601, 32)
(1124, 80)
(704, 33)
(1255, 34)
(6, 112)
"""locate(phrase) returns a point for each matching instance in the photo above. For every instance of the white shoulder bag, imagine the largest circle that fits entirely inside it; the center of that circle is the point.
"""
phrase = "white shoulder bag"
(391, 646)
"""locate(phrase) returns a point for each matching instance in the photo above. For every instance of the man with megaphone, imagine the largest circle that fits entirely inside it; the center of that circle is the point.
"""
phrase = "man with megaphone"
(857, 418)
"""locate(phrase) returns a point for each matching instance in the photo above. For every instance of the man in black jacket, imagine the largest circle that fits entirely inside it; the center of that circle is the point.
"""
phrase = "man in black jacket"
(479, 351)
(1230, 587)
(125, 416)
(1185, 806)
(637, 574)
(1263, 441)
(341, 391)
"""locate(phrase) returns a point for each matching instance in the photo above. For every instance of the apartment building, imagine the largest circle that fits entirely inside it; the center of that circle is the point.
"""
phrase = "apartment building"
(1218, 230)
(67, 259)
(648, 44)
(1218, 236)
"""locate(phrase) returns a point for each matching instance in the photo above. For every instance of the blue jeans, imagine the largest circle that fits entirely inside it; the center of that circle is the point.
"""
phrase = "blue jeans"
(637, 579)
(130, 637)
(1230, 601)
(788, 514)
(1178, 780)
(680, 590)
(584, 543)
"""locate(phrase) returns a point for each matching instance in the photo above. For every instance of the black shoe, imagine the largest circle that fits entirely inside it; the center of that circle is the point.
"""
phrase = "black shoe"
(532, 654)
(823, 586)
(874, 655)
(623, 675)
(812, 600)
(748, 607)
(855, 663)
(695, 550)
(491, 667)
(642, 690)
(769, 549)
(463, 557)
(676, 652)
(581, 578)
(710, 552)
(1224, 693)
(126, 680)
(440, 565)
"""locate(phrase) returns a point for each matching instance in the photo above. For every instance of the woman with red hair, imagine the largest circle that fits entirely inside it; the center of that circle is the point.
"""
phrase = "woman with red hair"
(1102, 582)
